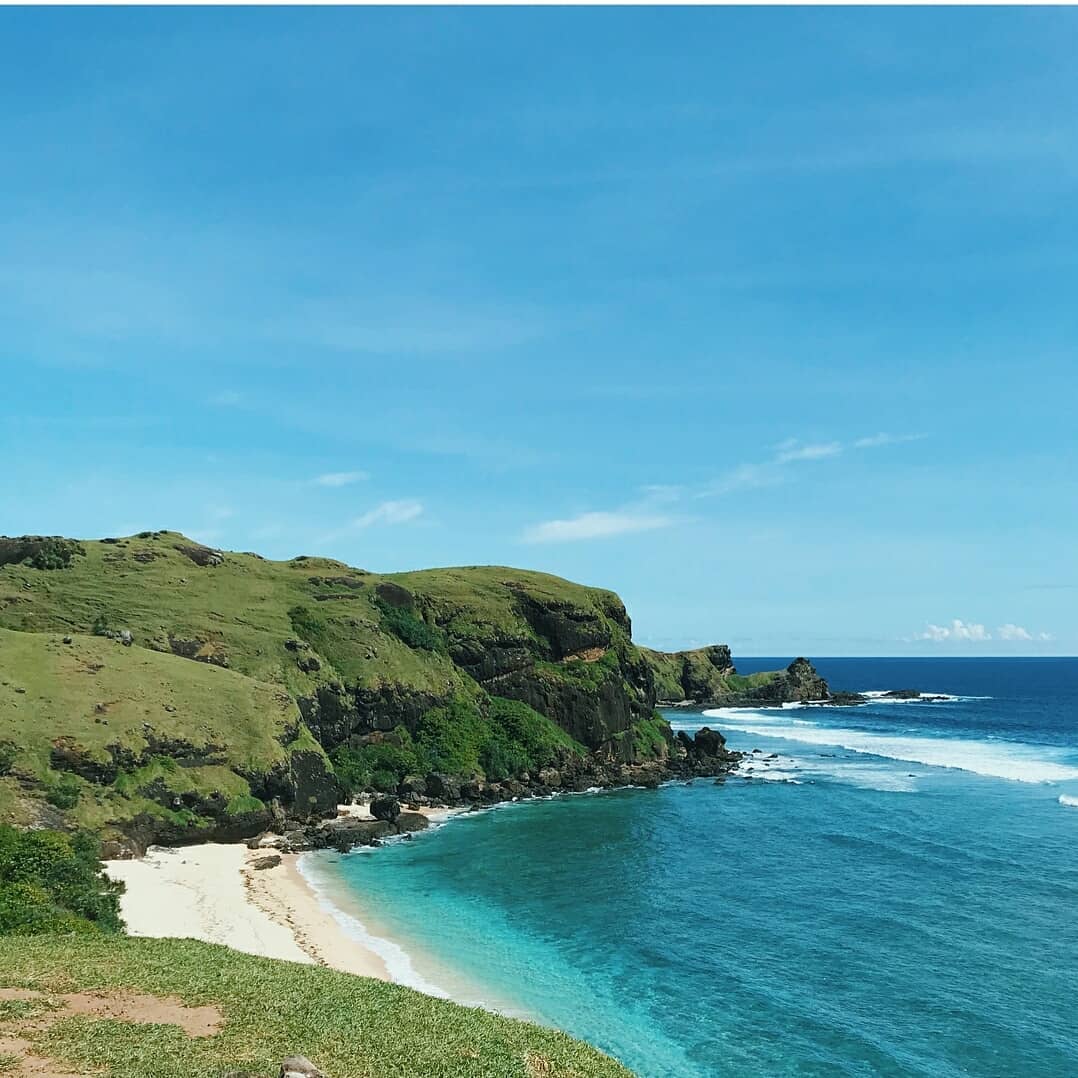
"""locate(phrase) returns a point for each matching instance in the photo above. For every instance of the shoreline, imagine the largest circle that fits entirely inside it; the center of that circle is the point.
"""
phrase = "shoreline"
(213, 892)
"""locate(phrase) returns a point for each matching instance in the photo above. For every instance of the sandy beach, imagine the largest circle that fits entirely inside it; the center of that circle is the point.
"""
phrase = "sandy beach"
(214, 893)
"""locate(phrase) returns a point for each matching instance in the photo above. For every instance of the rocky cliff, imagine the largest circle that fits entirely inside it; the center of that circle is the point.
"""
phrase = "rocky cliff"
(707, 677)
(159, 690)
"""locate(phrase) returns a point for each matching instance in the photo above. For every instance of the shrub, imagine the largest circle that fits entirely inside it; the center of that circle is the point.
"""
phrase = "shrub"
(380, 765)
(39, 551)
(8, 753)
(52, 882)
(64, 793)
(307, 624)
(409, 628)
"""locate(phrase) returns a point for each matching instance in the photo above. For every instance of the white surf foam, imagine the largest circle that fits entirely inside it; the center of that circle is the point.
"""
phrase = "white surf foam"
(879, 696)
(800, 771)
(1067, 799)
(993, 759)
(396, 959)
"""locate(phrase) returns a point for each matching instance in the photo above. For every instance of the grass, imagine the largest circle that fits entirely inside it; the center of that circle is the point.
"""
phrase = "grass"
(351, 1027)
(265, 636)
(109, 702)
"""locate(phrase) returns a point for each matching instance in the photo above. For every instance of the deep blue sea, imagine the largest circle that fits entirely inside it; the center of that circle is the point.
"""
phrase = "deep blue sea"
(894, 892)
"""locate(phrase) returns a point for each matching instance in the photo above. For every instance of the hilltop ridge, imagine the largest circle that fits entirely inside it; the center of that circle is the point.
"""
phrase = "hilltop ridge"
(159, 690)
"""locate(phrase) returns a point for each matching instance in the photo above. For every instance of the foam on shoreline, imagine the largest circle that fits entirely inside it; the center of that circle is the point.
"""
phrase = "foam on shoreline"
(397, 961)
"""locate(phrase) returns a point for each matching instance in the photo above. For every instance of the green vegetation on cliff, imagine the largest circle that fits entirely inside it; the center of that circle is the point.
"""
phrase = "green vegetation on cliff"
(252, 1013)
(154, 689)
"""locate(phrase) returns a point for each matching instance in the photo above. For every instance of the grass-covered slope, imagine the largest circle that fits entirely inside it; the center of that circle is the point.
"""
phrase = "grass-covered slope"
(252, 1012)
(156, 689)
(153, 687)
(111, 737)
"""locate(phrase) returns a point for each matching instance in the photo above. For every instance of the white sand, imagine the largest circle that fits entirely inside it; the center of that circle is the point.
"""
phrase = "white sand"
(212, 893)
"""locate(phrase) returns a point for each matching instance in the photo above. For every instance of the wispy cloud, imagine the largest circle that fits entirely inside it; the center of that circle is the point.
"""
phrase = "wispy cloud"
(793, 451)
(598, 525)
(339, 479)
(876, 441)
(392, 512)
(971, 631)
(790, 450)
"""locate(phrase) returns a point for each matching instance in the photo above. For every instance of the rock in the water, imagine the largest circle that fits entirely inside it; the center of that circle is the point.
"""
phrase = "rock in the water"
(709, 742)
(300, 1067)
(385, 808)
(271, 860)
(412, 821)
(347, 832)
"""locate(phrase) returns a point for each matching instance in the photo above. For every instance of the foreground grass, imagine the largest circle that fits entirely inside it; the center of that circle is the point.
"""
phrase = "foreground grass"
(352, 1027)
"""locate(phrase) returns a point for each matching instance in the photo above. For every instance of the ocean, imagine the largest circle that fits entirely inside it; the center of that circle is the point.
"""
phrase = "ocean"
(891, 890)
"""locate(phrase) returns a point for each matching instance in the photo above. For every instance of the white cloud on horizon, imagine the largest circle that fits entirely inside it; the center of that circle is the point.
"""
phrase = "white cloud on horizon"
(977, 633)
(339, 479)
(596, 525)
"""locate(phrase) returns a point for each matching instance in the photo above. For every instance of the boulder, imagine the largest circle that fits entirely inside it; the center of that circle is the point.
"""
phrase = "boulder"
(269, 861)
(550, 776)
(300, 1067)
(347, 832)
(412, 786)
(412, 821)
(447, 787)
(385, 808)
(709, 742)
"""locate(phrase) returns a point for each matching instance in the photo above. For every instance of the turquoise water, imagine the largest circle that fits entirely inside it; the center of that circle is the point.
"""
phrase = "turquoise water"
(895, 893)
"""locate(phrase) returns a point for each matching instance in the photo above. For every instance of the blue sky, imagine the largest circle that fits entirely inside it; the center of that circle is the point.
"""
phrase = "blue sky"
(765, 318)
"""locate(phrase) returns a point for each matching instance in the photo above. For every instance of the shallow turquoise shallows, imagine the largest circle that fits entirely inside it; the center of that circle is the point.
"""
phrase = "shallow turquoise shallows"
(895, 892)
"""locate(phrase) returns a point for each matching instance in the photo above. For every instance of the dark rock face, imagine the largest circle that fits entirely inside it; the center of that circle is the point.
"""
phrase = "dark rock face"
(709, 742)
(201, 651)
(697, 678)
(394, 595)
(335, 713)
(407, 822)
(412, 786)
(566, 628)
(201, 555)
(444, 787)
(385, 808)
(347, 832)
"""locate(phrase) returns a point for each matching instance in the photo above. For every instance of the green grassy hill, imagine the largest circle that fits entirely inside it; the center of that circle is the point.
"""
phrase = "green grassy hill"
(118, 1007)
(155, 689)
